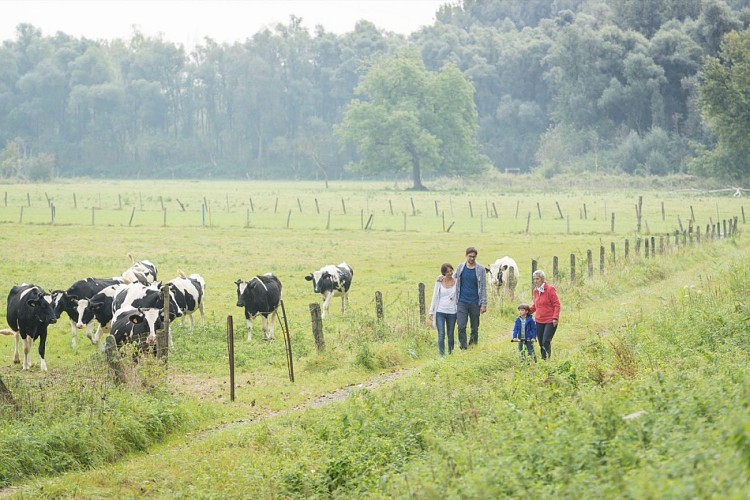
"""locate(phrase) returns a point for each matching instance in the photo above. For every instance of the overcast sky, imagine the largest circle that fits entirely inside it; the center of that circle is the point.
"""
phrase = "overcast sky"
(189, 21)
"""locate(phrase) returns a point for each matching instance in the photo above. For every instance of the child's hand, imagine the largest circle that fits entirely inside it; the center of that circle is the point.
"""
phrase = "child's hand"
(514, 340)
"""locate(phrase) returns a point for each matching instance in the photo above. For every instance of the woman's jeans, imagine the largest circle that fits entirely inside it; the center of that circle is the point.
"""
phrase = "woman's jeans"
(446, 324)
(545, 332)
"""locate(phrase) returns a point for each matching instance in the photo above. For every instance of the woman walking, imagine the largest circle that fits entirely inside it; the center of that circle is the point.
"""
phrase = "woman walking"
(443, 308)
(546, 308)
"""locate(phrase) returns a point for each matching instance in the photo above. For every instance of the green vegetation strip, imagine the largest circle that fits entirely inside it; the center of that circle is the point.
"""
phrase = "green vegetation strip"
(649, 398)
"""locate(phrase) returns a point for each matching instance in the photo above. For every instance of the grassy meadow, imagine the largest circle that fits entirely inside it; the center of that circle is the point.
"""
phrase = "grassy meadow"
(666, 335)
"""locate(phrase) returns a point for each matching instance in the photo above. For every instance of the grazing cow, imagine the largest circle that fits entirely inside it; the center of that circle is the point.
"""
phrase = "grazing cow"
(143, 272)
(261, 295)
(138, 326)
(137, 296)
(189, 293)
(30, 311)
(100, 305)
(500, 276)
(332, 281)
(75, 302)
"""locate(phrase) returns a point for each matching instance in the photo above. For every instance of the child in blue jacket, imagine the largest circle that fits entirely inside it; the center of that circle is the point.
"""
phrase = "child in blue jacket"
(524, 331)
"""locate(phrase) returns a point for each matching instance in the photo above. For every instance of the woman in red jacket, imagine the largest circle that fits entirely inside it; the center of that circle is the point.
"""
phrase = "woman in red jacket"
(547, 308)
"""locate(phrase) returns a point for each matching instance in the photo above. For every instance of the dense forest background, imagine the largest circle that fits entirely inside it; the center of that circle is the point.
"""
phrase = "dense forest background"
(636, 86)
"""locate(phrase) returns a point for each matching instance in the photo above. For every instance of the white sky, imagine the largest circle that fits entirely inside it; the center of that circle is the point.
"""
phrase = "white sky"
(189, 21)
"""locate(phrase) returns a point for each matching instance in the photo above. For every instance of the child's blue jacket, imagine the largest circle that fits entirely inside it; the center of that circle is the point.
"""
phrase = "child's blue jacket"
(530, 328)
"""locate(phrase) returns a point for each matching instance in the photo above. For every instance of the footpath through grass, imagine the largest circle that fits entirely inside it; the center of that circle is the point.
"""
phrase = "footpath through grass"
(647, 397)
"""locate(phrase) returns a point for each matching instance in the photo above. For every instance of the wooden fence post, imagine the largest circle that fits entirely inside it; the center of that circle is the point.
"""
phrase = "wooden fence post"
(162, 338)
(533, 270)
(627, 249)
(572, 268)
(612, 249)
(6, 396)
(422, 306)
(559, 212)
(555, 268)
(317, 327)
(230, 350)
(379, 305)
(601, 259)
(589, 264)
(113, 359)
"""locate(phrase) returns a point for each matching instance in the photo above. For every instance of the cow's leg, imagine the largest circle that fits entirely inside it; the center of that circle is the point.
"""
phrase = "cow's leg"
(249, 327)
(264, 325)
(192, 322)
(97, 334)
(74, 330)
(27, 352)
(271, 325)
(344, 300)
(42, 347)
(203, 314)
(16, 355)
(325, 304)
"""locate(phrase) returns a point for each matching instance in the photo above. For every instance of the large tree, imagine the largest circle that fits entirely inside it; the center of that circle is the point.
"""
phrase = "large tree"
(412, 120)
(725, 103)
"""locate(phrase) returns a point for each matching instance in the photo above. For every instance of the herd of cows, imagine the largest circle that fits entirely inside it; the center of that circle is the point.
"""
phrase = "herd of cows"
(131, 308)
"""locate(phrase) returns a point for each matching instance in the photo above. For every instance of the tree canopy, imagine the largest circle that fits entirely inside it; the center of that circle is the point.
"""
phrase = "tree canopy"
(411, 120)
(725, 101)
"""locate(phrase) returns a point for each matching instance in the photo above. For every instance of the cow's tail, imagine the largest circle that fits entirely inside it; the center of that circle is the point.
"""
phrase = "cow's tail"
(181, 273)
(132, 259)
(7, 331)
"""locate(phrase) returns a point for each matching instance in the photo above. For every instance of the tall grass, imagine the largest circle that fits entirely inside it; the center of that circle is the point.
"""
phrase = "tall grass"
(446, 429)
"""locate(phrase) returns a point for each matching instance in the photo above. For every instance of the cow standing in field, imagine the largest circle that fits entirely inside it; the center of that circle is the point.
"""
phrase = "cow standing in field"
(189, 292)
(261, 295)
(500, 277)
(30, 311)
(332, 281)
(142, 271)
(139, 327)
(100, 306)
(75, 302)
(137, 296)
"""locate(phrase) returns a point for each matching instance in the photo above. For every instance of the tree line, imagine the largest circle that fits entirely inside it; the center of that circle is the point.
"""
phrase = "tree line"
(630, 86)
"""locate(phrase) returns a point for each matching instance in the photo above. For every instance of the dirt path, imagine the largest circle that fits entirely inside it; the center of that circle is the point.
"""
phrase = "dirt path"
(316, 402)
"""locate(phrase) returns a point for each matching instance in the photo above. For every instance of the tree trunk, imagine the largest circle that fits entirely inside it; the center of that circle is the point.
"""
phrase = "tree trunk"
(416, 175)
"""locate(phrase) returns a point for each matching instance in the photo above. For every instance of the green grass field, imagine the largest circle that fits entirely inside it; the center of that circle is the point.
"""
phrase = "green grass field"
(246, 231)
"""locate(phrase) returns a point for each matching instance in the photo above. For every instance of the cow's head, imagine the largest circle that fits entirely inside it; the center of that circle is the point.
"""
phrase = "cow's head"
(496, 274)
(241, 287)
(57, 300)
(41, 307)
(317, 278)
(146, 322)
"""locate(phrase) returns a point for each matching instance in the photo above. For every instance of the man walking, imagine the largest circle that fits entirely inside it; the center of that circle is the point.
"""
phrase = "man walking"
(471, 289)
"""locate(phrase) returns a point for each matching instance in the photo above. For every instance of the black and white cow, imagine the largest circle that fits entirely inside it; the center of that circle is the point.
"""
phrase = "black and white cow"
(260, 295)
(75, 302)
(139, 327)
(137, 296)
(29, 313)
(142, 271)
(332, 281)
(189, 293)
(500, 277)
(100, 305)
